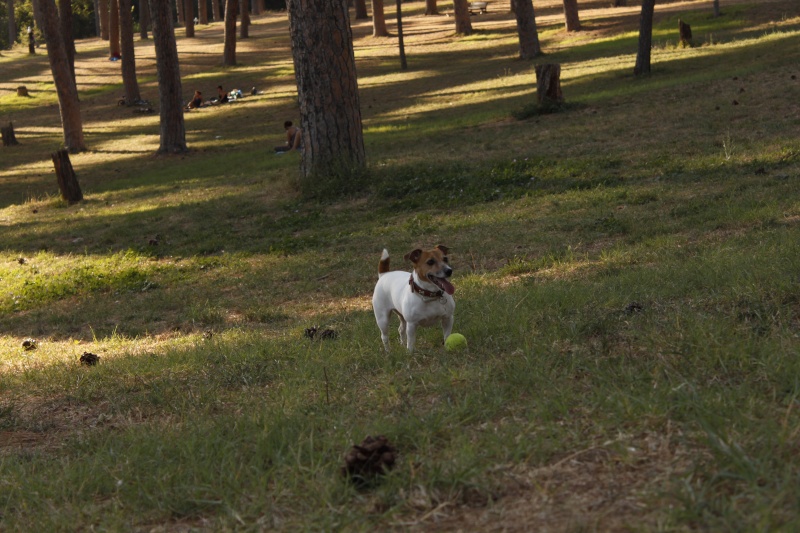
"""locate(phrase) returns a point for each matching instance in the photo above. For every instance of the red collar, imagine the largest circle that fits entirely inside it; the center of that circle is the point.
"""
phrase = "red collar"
(424, 292)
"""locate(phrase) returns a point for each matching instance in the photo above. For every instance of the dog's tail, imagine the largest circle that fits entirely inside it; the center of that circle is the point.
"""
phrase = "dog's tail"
(383, 265)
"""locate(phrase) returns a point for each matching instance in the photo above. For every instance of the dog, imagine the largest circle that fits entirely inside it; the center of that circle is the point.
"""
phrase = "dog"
(422, 298)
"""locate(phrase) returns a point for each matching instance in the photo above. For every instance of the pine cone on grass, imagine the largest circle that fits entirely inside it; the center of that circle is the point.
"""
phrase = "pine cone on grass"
(89, 359)
(373, 457)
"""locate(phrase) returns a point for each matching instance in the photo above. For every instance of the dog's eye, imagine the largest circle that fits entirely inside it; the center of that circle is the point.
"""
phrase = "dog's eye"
(431, 262)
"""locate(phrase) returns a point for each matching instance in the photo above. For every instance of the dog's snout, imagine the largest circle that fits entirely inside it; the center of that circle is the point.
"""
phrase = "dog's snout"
(448, 271)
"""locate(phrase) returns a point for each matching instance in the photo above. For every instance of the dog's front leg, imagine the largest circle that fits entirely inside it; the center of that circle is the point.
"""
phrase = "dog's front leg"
(411, 334)
(447, 326)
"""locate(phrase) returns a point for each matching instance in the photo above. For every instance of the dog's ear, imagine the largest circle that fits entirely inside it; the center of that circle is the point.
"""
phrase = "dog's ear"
(413, 256)
(443, 249)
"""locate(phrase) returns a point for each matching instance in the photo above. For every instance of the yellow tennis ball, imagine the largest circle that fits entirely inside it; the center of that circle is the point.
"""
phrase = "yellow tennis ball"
(455, 341)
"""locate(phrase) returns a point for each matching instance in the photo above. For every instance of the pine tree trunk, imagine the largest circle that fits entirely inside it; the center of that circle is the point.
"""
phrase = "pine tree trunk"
(47, 20)
(65, 17)
(215, 12)
(229, 51)
(403, 63)
(128, 54)
(173, 130)
(327, 86)
(9, 138)
(113, 29)
(620, 3)
(716, 8)
(244, 23)
(202, 9)
(571, 16)
(179, 12)
(463, 22)
(378, 20)
(188, 18)
(645, 38)
(526, 29)
(102, 6)
(361, 10)
(65, 174)
(431, 8)
(144, 18)
(12, 23)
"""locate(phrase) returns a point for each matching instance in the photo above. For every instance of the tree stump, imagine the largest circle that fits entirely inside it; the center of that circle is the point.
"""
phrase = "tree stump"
(22, 91)
(685, 32)
(9, 139)
(548, 84)
(67, 181)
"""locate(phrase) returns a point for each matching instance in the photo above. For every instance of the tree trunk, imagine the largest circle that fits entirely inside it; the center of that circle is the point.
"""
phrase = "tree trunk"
(22, 91)
(244, 24)
(31, 41)
(229, 52)
(65, 17)
(173, 130)
(645, 38)
(361, 10)
(571, 17)
(685, 33)
(378, 20)
(96, 5)
(548, 84)
(188, 18)
(526, 29)
(113, 29)
(128, 55)
(431, 8)
(403, 64)
(144, 18)
(620, 3)
(47, 19)
(202, 9)
(716, 8)
(65, 174)
(9, 139)
(512, 6)
(327, 86)
(102, 6)
(215, 13)
(179, 11)
(12, 23)
(463, 22)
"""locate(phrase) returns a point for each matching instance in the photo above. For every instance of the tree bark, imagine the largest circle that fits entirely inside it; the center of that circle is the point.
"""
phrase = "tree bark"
(215, 12)
(47, 19)
(202, 10)
(113, 29)
(102, 6)
(65, 17)
(645, 38)
(620, 3)
(9, 138)
(144, 18)
(361, 10)
(65, 174)
(327, 86)
(188, 18)
(12, 23)
(128, 54)
(378, 20)
(403, 63)
(571, 16)
(431, 8)
(548, 84)
(716, 8)
(526, 29)
(463, 22)
(244, 21)
(173, 130)
(179, 9)
(229, 51)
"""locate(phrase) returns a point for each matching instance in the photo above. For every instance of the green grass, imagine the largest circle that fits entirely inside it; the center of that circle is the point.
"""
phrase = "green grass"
(626, 273)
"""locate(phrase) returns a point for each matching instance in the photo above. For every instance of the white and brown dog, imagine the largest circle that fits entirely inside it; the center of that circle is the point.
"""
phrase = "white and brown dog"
(422, 298)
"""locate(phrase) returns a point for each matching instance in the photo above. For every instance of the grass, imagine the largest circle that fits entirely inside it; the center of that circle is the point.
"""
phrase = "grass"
(626, 274)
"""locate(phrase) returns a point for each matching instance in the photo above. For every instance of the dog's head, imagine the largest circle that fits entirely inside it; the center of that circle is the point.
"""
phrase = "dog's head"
(434, 266)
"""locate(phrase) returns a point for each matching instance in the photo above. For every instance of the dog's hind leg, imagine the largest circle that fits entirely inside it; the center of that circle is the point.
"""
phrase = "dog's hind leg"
(383, 324)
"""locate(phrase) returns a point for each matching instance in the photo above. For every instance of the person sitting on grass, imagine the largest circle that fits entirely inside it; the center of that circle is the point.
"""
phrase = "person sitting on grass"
(197, 100)
(222, 97)
(294, 138)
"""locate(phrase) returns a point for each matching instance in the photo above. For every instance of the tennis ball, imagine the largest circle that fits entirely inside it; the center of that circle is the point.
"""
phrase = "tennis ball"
(455, 341)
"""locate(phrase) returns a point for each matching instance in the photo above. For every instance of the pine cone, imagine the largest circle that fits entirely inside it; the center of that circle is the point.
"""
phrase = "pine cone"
(373, 457)
(89, 359)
